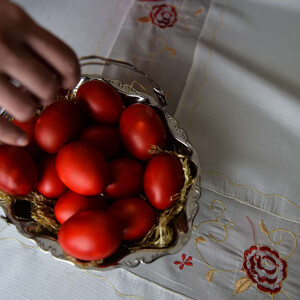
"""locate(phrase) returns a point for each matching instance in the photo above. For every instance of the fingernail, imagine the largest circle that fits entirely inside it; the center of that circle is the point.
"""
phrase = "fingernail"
(22, 140)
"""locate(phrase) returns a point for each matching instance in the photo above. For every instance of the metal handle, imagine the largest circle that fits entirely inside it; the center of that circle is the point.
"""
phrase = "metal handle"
(94, 60)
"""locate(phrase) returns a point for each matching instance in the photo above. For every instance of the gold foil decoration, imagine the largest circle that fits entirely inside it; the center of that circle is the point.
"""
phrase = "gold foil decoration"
(41, 210)
(6, 199)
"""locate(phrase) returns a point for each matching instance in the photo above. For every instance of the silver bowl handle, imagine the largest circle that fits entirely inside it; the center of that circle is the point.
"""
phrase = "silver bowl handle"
(96, 59)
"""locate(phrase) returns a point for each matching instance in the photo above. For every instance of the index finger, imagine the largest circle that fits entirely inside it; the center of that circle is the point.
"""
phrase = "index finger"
(56, 53)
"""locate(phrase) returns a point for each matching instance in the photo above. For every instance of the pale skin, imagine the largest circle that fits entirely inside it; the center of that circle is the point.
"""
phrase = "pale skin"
(38, 61)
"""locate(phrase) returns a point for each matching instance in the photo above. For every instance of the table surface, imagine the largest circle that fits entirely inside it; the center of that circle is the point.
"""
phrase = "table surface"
(231, 71)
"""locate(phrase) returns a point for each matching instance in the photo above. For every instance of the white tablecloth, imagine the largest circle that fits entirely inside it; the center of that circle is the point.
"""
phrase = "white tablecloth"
(233, 85)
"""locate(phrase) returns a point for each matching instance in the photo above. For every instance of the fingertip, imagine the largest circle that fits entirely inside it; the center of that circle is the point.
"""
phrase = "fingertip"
(27, 113)
(22, 140)
(11, 134)
(71, 75)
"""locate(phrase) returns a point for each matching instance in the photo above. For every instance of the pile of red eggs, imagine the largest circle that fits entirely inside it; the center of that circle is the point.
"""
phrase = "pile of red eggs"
(94, 156)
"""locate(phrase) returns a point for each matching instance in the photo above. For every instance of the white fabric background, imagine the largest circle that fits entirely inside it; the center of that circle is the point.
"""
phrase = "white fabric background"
(89, 27)
(240, 108)
(28, 273)
(166, 54)
(226, 255)
(241, 104)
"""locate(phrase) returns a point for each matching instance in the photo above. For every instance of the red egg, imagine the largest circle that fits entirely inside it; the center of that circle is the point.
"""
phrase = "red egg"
(137, 217)
(163, 179)
(105, 138)
(18, 171)
(59, 123)
(49, 183)
(82, 168)
(91, 235)
(101, 102)
(126, 178)
(70, 203)
(140, 129)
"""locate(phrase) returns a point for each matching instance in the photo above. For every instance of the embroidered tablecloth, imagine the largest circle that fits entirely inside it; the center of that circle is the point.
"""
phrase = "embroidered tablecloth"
(230, 69)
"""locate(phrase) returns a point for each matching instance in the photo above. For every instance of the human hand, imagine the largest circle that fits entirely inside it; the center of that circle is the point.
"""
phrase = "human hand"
(38, 61)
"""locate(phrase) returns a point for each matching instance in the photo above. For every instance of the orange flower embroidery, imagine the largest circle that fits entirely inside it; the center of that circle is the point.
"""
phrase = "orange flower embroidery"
(185, 261)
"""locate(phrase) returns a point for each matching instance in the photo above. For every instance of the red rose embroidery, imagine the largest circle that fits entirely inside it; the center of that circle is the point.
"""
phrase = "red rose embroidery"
(163, 15)
(265, 268)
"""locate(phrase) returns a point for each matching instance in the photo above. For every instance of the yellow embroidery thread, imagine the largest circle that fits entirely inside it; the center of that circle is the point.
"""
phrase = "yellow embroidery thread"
(14, 239)
(224, 226)
(269, 233)
(250, 187)
(212, 268)
(113, 287)
(4, 228)
(286, 294)
(216, 221)
(163, 48)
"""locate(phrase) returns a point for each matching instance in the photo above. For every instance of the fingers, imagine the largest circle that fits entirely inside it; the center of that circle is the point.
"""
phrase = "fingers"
(11, 134)
(28, 70)
(57, 54)
(36, 59)
(16, 102)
